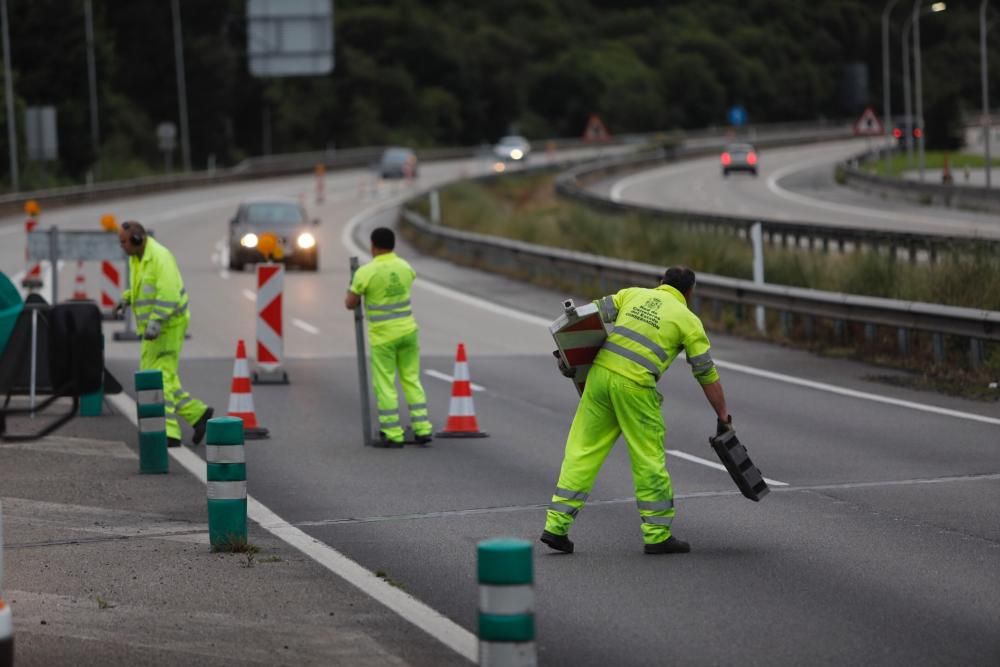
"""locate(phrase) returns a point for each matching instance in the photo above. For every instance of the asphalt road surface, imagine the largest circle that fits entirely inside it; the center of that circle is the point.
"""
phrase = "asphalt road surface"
(794, 184)
(879, 544)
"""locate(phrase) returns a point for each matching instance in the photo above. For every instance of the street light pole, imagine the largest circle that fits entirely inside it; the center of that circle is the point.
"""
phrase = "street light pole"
(15, 182)
(918, 84)
(181, 85)
(984, 78)
(907, 97)
(886, 83)
(95, 131)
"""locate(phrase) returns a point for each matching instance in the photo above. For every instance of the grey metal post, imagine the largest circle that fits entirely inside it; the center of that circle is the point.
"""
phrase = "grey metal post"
(95, 132)
(181, 85)
(869, 333)
(435, 207)
(984, 82)
(34, 360)
(54, 260)
(918, 86)
(359, 337)
(907, 95)
(975, 352)
(903, 341)
(9, 94)
(758, 269)
(937, 347)
(886, 83)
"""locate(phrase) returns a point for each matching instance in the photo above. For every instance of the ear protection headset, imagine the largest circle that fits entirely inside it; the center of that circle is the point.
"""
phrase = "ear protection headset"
(136, 237)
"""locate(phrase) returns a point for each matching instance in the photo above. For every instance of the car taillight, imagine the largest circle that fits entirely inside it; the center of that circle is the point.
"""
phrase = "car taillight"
(751, 158)
(917, 132)
(898, 133)
(727, 159)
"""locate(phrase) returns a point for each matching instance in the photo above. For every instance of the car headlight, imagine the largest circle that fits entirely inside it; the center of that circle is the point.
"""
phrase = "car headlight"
(249, 240)
(516, 154)
(305, 240)
(499, 167)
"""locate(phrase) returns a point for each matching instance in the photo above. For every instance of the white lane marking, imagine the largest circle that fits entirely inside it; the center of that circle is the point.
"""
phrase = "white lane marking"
(405, 605)
(620, 186)
(448, 378)
(347, 239)
(712, 464)
(772, 185)
(250, 295)
(305, 326)
(853, 393)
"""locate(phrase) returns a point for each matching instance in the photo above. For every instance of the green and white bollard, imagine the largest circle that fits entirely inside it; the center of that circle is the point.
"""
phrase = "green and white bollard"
(152, 414)
(92, 404)
(227, 481)
(506, 604)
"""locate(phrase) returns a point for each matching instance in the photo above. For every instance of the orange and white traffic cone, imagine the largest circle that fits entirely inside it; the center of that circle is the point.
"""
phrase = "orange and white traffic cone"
(461, 411)
(80, 283)
(241, 397)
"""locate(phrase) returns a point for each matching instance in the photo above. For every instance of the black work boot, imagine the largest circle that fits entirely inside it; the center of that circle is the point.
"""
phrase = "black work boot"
(423, 439)
(671, 545)
(173, 442)
(385, 443)
(558, 542)
(201, 425)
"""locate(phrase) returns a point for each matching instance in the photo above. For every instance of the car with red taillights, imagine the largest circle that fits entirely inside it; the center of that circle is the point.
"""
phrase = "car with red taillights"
(739, 157)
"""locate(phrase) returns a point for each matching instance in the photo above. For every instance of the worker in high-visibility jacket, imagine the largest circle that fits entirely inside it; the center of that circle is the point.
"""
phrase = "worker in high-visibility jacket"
(650, 328)
(160, 304)
(393, 334)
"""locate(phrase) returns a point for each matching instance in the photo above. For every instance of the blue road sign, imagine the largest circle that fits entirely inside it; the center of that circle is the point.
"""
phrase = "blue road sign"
(737, 115)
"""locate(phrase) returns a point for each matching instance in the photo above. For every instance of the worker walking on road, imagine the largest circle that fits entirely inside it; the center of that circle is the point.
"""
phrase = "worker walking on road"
(651, 327)
(160, 305)
(385, 284)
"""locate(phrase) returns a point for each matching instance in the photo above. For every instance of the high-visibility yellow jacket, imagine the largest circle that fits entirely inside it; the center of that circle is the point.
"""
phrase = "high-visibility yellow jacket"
(385, 284)
(156, 289)
(651, 327)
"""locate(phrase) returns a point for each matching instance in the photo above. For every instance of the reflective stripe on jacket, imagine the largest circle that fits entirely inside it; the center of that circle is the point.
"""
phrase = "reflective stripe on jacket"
(651, 327)
(156, 289)
(385, 284)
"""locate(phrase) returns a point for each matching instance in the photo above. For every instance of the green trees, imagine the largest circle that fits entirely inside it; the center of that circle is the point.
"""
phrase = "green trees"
(434, 72)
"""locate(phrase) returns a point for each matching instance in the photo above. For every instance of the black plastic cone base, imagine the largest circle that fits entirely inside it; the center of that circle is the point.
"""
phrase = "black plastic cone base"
(461, 434)
(277, 376)
(256, 433)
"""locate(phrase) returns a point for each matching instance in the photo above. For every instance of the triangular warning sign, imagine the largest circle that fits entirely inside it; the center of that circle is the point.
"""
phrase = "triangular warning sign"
(595, 130)
(868, 125)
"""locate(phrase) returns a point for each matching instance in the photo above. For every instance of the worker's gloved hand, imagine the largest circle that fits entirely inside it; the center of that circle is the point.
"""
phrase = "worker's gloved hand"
(119, 310)
(152, 330)
(563, 368)
(723, 427)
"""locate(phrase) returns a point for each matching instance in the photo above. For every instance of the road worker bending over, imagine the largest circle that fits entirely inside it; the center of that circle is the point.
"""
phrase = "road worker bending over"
(651, 327)
(385, 284)
(160, 305)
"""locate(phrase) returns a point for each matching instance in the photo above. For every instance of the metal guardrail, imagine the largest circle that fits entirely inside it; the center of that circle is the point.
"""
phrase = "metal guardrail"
(806, 235)
(570, 269)
(971, 197)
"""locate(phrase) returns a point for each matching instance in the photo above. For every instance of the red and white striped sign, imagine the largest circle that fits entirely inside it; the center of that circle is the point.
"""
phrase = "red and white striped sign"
(111, 286)
(34, 272)
(80, 283)
(270, 341)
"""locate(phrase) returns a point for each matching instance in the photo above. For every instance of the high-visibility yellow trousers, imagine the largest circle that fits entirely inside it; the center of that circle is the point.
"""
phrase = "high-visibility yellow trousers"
(612, 405)
(403, 354)
(163, 354)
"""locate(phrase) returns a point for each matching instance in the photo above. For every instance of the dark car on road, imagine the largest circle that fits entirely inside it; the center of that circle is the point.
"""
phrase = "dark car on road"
(398, 163)
(739, 157)
(281, 223)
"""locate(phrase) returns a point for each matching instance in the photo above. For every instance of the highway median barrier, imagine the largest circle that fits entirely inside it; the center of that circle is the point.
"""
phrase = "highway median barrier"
(152, 420)
(227, 483)
(506, 604)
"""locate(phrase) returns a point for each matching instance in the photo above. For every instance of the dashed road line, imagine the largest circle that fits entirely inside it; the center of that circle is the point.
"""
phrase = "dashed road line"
(305, 326)
(250, 295)
(712, 464)
(448, 378)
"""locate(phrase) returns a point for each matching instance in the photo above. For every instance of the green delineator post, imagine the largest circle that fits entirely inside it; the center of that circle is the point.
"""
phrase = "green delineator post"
(152, 414)
(506, 604)
(227, 481)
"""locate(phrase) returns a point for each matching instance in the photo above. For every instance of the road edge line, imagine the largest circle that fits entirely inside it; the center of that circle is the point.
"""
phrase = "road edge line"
(431, 621)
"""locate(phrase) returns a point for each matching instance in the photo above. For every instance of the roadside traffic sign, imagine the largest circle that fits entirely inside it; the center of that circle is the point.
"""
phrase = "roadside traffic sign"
(595, 130)
(737, 116)
(868, 125)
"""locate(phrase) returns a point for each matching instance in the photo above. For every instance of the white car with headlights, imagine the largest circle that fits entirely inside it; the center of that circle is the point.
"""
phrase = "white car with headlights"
(276, 227)
(512, 149)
